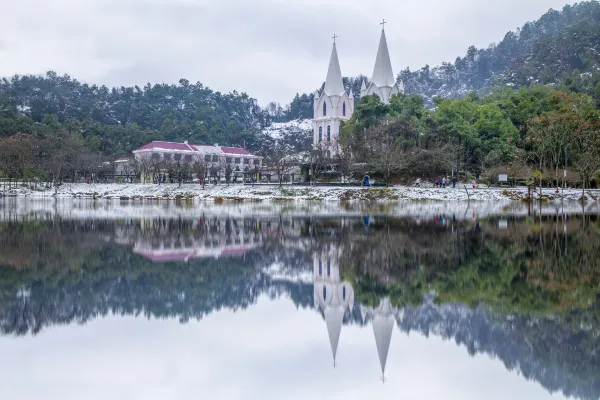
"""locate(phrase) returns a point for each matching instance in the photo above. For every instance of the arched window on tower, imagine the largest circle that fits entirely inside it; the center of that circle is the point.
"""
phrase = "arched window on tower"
(344, 109)
(344, 293)
(324, 293)
(320, 134)
(320, 269)
(328, 269)
(329, 133)
(324, 109)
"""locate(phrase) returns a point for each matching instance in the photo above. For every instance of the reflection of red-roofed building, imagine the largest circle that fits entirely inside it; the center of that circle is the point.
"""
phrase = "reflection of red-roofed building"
(168, 249)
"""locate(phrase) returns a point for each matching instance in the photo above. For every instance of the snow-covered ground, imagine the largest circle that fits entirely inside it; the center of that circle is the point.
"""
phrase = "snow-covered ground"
(289, 193)
(278, 129)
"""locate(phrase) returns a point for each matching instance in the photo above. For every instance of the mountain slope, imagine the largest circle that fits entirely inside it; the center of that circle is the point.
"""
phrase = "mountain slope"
(559, 48)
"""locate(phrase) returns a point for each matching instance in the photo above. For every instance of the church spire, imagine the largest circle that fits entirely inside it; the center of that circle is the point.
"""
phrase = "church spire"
(383, 75)
(334, 318)
(383, 326)
(334, 86)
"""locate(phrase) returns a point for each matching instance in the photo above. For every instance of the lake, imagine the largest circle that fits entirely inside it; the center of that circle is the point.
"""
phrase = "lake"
(149, 300)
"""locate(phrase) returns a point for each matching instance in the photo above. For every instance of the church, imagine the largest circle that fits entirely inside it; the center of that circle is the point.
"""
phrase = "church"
(334, 105)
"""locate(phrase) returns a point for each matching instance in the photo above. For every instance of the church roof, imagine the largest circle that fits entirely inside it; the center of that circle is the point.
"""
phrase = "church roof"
(334, 86)
(383, 75)
(334, 317)
(383, 320)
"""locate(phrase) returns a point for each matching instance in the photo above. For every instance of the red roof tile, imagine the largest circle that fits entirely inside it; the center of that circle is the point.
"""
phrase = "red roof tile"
(235, 150)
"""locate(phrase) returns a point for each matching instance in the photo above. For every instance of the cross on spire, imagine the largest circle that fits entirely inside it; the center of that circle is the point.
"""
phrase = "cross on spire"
(383, 22)
(334, 37)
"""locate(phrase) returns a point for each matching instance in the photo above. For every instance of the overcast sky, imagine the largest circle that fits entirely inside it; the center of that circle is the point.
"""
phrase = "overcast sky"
(270, 49)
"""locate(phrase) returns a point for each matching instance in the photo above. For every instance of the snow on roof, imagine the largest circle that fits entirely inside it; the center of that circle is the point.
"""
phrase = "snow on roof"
(158, 145)
(185, 147)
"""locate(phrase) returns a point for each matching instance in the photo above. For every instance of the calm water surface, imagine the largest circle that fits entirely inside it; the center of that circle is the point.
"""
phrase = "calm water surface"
(230, 303)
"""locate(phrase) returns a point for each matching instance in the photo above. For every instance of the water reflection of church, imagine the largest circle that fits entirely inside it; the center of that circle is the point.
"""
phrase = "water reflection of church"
(334, 298)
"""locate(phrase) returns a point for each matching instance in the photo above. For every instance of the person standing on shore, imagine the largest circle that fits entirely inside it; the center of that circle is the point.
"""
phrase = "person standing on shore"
(453, 182)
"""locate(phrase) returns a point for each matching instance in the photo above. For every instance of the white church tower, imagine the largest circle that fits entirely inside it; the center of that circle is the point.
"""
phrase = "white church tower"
(332, 106)
(383, 82)
(331, 296)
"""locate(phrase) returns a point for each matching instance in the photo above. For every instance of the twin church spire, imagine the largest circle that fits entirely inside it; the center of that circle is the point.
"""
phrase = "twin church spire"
(334, 85)
(334, 105)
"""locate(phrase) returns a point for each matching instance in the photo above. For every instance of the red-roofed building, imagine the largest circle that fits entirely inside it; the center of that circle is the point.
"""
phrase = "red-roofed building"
(216, 157)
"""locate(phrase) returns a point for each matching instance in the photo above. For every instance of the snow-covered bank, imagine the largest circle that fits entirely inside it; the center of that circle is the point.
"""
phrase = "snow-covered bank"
(288, 193)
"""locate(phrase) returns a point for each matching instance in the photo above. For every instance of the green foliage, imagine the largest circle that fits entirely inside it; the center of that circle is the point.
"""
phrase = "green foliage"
(118, 120)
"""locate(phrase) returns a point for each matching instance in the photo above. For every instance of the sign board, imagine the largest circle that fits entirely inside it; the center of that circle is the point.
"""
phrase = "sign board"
(502, 178)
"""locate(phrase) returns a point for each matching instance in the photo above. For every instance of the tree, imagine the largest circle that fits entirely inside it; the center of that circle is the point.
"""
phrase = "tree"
(60, 151)
(387, 156)
(228, 172)
(278, 158)
(587, 145)
(16, 156)
(317, 161)
(201, 167)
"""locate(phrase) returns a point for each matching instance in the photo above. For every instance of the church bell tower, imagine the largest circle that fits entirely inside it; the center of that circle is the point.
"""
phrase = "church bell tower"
(332, 106)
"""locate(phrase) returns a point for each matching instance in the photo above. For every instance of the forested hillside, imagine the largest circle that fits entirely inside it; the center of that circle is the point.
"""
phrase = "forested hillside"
(561, 48)
(118, 120)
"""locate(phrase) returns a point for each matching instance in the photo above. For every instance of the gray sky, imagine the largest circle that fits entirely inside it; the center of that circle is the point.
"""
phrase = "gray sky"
(270, 351)
(270, 49)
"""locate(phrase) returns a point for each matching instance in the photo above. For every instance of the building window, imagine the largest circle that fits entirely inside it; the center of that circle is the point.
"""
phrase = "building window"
(324, 293)
(328, 269)
(228, 159)
(207, 157)
(167, 157)
(344, 109)
(324, 109)
(155, 156)
(256, 162)
(237, 160)
(188, 157)
(329, 133)
(344, 293)
(177, 157)
(246, 161)
(320, 269)
(320, 134)
(215, 158)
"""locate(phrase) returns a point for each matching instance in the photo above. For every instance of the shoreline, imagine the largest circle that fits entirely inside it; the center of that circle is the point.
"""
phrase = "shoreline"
(276, 193)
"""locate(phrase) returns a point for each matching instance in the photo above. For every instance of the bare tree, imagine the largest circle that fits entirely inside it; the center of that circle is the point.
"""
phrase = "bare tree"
(16, 156)
(317, 160)
(278, 160)
(587, 145)
(387, 152)
(228, 172)
(201, 168)
(60, 151)
(144, 165)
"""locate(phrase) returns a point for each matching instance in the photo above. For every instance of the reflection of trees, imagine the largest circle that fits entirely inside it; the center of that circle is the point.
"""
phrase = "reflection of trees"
(537, 280)
(544, 349)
